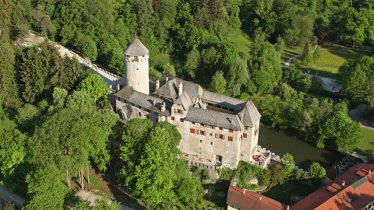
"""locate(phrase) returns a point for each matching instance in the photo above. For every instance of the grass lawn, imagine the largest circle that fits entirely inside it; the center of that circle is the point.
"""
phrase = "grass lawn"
(242, 43)
(289, 52)
(283, 192)
(366, 142)
(331, 58)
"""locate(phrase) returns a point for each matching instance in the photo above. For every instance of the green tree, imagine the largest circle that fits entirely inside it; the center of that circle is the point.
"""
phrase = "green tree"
(69, 138)
(94, 85)
(45, 188)
(218, 83)
(300, 31)
(289, 164)
(8, 85)
(350, 25)
(307, 54)
(316, 171)
(265, 66)
(238, 76)
(104, 204)
(357, 79)
(150, 167)
(280, 45)
(12, 142)
(339, 130)
(27, 113)
(59, 97)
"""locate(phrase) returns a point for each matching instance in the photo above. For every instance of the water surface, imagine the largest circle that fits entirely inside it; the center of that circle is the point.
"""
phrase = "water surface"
(304, 153)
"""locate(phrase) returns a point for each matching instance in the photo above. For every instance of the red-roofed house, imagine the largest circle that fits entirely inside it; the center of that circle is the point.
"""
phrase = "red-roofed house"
(246, 200)
(353, 190)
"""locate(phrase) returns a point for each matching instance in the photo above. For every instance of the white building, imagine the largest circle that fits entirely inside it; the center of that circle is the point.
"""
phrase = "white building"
(216, 130)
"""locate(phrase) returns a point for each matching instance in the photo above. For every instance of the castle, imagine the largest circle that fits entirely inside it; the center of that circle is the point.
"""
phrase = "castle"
(217, 131)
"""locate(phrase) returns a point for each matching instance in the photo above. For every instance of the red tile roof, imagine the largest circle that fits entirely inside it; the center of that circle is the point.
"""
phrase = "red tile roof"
(247, 200)
(357, 192)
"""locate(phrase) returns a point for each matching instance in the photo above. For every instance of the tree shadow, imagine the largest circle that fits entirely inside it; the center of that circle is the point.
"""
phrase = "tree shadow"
(344, 52)
(124, 197)
(217, 192)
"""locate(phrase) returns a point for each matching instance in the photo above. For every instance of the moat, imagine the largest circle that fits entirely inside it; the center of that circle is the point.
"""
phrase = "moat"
(304, 153)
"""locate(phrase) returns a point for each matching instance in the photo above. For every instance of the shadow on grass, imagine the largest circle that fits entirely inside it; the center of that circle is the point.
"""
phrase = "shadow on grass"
(217, 193)
(344, 52)
(312, 71)
(283, 192)
(125, 198)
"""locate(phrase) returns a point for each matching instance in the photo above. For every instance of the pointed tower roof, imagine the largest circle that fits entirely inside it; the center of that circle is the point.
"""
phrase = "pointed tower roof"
(136, 48)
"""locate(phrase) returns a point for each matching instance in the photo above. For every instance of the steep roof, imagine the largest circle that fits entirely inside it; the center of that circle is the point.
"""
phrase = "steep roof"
(213, 118)
(170, 89)
(142, 100)
(356, 194)
(216, 98)
(247, 200)
(136, 48)
(250, 114)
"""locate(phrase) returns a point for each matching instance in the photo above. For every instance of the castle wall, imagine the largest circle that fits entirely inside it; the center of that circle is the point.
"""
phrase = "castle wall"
(128, 111)
(204, 144)
(137, 73)
(249, 143)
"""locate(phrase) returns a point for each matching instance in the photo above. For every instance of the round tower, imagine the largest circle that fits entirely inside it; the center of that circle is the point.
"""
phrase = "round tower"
(136, 67)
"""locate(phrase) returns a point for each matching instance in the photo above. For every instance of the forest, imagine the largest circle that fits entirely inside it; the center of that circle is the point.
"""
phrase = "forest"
(57, 121)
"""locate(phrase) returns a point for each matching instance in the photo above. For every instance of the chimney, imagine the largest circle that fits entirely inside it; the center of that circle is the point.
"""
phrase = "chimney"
(166, 79)
(180, 89)
(163, 106)
(157, 84)
(343, 183)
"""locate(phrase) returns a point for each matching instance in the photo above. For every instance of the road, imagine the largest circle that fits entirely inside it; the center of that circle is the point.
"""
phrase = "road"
(6, 195)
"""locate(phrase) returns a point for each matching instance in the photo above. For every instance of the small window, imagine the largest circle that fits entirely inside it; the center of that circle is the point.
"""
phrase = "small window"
(244, 135)
(221, 128)
(172, 118)
(230, 130)
(216, 135)
(202, 132)
(180, 111)
(211, 143)
(137, 68)
(201, 141)
(230, 138)
(182, 120)
(192, 130)
(221, 136)
(246, 127)
(193, 123)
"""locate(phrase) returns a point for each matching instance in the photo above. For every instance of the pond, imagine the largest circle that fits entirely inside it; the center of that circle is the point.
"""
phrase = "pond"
(304, 153)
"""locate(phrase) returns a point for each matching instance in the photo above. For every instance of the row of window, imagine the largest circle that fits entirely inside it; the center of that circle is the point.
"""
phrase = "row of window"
(218, 136)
